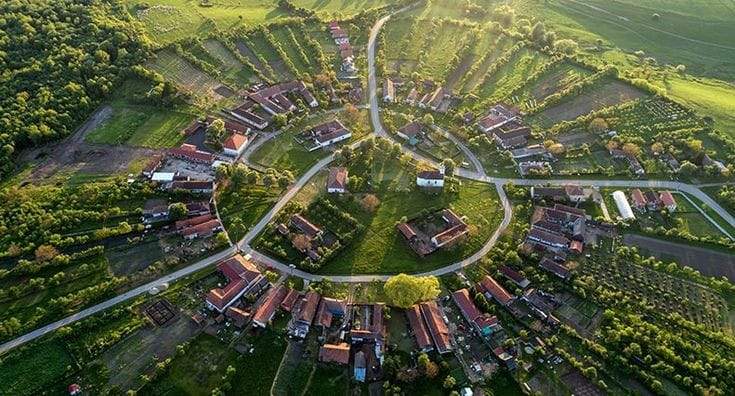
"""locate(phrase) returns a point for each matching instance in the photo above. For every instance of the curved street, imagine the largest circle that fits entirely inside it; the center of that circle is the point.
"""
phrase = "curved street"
(478, 175)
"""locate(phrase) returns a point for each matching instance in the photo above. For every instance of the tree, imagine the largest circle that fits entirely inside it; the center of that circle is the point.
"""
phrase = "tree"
(555, 148)
(449, 382)
(221, 239)
(538, 33)
(657, 148)
(631, 149)
(352, 113)
(370, 203)
(449, 166)
(695, 145)
(406, 290)
(279, 120)
(45, 253)
(566, 46)
(428, 119)
(216, 131)
(177, 211)
(598, 125)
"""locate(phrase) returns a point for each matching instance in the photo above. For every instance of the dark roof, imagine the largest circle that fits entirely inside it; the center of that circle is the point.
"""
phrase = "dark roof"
(554, 267)
(411, 129)
(308, 307)
(305, 226)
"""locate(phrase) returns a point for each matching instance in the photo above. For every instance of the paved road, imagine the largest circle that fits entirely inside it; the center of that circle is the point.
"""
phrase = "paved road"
(116, 300)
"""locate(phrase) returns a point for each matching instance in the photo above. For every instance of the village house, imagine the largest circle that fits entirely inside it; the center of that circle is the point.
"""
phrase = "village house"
(530, 151)
(238, 316)
(652, 200)
(235, 145)
(337, 180)
(514, 277)
(639, 201)
(493, 290)
(389, 91)
(197, 208)
(306, 227)
(436, 325)
(418, 328)
(668, 201)
(242, 278)
(549, 239)
(155, 210)
(568, 193)
(190, 153)
(555, 268)
(153, 165)
(329, 308)
(327, 134)
(411, 132)
(483, 323)
(186, 223)
(290, 299)
(430, 178)
(203, 230)
(496, 117)
(412, 97)
(268, 307)
(305, 315)
(245, 112)
(456, 228)
(335, 353)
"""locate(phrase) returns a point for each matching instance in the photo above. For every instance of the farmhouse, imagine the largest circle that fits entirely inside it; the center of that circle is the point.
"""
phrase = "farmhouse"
(411, 132)
(492, 289)
(289, 300)
(327, 134)
(550, 239)
(305, 315)
(328, 309)
(456, 228)
(337, 180)
(273, 100)
(335, 353)
(194, 186)
(234, 145)
(389, 91)
(242, 277)
(188, 152)
(418, 328)
(153, 165)
(668, 201)
(430, 178)
(652, 200)
(514, 276)
(239, 317)
(368, 325)
(570, 193)
(555, 268)
(197, 208)
(437, 98)
(412, 97)
(511, 135)
(267, 308)
(483, 323)
(155, 210)
(182, 224)
(437, 327)
(245, 112)
(639, 201)
(202, 230)
(496, 117)
(306, 227)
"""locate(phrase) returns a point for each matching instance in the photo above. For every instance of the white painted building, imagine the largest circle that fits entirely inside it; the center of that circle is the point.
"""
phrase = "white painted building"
(432, 178)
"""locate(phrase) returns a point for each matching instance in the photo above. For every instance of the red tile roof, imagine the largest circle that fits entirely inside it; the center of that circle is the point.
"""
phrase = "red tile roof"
(667, 198)
(335, 353)
(462, 298)
(406, 230)
(202, 229)
(239, 273)
(513, 275)
(419, 328)
(235, 141)
(268, 307)
(309, 306)
(289, 300)
(305, 226)
(337, 178)
(555, 268)
(437, 327)
(637, 197)
(181, 224)
(497, 291)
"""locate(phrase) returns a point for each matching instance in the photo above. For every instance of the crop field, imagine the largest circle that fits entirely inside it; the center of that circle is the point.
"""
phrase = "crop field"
(288, 38)
(186, 76)
(667, 293)
(262, 48)
(557, 79)
(345, 8)
(36, 369)
(230, 67)
(475, 75)
(166, 21)
(602, 95)
(479, 41)
(512, 75)
(447, 39)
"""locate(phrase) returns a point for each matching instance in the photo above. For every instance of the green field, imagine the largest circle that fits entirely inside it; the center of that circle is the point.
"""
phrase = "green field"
(340, 8)
(240, 209)
(41, 367)
(140, 125)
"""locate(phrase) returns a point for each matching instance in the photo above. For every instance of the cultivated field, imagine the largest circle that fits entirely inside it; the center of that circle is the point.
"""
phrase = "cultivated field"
(186, 76)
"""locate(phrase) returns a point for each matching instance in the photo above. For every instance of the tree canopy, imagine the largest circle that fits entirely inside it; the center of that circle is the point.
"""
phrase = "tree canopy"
(406, 290)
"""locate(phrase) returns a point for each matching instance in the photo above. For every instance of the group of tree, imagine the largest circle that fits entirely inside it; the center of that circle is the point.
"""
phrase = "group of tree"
(64, 57)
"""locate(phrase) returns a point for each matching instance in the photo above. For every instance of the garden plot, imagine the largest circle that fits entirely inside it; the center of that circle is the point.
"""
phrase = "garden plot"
(186, 76)
(513, 75)
(249, 54)
(656, 114)
(405, 46)
(286, 36)
(667, 293)
(262, 48)
(447, 40)
(555, 80)
(230, 66)
(478, 70)
(480, 43)
(610, 93)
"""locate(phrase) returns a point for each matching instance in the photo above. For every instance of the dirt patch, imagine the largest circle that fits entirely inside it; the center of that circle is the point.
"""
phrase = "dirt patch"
(706, 261)
(130, 357)
(579, 384)
(612, 93)
(74, 154)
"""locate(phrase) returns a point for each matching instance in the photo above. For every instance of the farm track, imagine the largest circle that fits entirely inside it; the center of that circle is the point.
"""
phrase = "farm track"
(243, 244)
